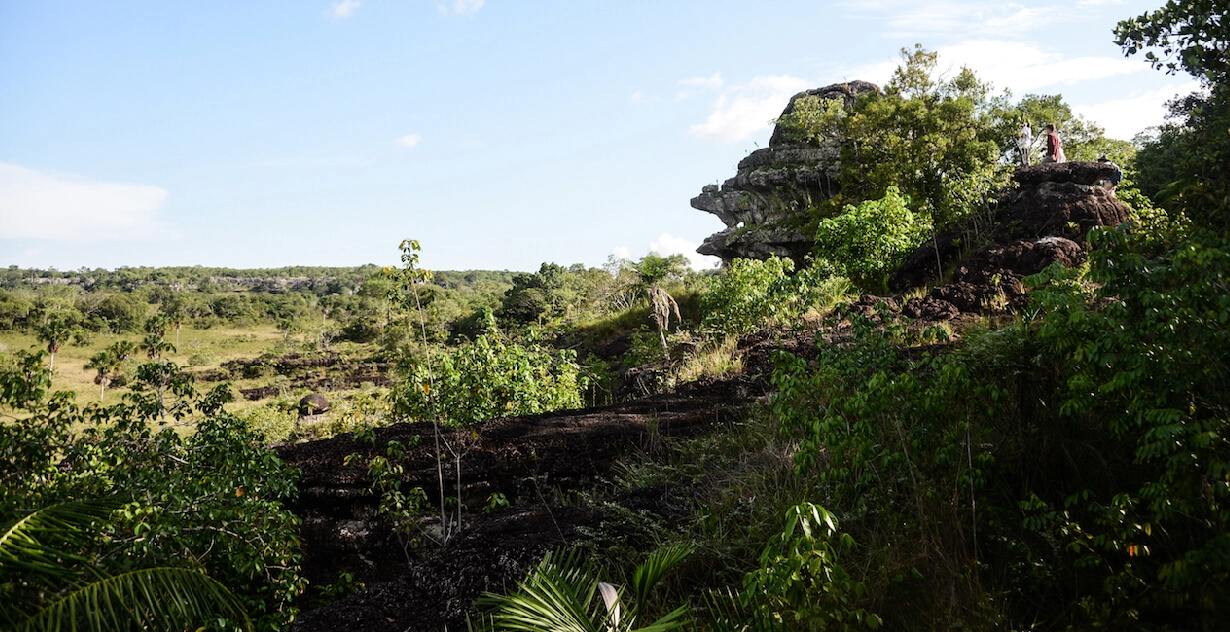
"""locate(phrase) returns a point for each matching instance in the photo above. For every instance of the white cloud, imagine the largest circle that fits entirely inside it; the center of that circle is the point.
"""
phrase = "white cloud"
(712, 82)
(460, 7)
(667, 244)
(637, 97)
(409, 141)
(742, 110)
(1125, 117)
(345, 8)
(41, 205)
(1018, 66)
(899, 19)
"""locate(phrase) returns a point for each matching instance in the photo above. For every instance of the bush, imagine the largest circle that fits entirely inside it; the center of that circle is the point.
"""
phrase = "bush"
(747, 295)
(273, 423)
(491, 377)
(751, 294)
(868, 242)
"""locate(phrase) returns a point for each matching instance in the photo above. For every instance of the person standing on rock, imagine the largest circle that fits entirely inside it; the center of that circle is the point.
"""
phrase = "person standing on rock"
(1054, 146)
(1024, 143)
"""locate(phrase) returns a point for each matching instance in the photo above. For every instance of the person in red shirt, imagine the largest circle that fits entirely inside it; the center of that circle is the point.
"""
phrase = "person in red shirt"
(1054, 146)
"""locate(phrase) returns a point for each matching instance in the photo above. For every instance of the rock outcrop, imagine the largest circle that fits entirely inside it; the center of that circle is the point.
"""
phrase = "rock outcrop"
(1046, 218)
(764, 204)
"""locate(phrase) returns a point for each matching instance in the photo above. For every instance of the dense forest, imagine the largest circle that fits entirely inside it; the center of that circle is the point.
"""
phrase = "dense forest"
(983, 394)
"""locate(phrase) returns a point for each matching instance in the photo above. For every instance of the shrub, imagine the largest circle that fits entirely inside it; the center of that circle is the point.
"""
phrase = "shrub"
(747, 295)
(491, 377)
(751, 294)
(273, 423)
(869, 241)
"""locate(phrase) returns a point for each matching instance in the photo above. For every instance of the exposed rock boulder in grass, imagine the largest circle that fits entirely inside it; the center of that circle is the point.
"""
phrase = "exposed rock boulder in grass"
(764, 205)
(1045, 219)
(313, 404)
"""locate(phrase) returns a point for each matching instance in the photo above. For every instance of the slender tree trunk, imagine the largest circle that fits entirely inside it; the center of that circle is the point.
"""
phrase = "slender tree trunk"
(457, 467)
(102, 387)
(178, 326)
(51, 361)
(939, 266)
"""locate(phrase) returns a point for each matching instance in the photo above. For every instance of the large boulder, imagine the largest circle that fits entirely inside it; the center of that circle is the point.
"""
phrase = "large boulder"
(764, 206)
(1061, 199)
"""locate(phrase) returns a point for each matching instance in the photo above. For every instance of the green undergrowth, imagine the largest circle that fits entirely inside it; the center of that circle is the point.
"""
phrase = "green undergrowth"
(1064, 469)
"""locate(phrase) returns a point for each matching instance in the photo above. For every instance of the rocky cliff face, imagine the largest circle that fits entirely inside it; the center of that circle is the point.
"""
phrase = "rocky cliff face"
(764, 204)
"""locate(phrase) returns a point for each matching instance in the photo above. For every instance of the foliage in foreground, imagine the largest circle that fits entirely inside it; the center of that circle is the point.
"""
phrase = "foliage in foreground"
(1074, 466)
(565, 593)
(42, 551)
(195, 514)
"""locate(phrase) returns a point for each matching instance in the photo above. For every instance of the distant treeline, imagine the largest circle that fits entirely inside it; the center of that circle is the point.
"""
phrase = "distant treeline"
(319, 280)
(353, 299)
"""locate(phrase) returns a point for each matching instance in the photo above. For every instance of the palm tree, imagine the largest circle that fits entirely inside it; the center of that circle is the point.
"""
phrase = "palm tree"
(105, 363)
(565, 594)
(154, 346)
(54, 331)
(50, 584)
(652, 271)
(122, 349)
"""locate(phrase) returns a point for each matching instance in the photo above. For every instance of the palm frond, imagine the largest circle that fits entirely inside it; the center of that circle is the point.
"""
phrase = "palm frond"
(556, 595)
(659, 563)
(158, 598)
(41, 546)
(725, 612)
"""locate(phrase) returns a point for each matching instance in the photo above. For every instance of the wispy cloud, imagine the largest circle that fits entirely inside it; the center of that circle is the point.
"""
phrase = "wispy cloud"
(1019, 66)
(344, 8)
(1127, 116)
(460, 7)
(409, 141)
(42, 205)
(742, 110)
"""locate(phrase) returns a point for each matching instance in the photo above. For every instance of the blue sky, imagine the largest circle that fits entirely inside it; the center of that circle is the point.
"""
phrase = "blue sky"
(500, 133)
